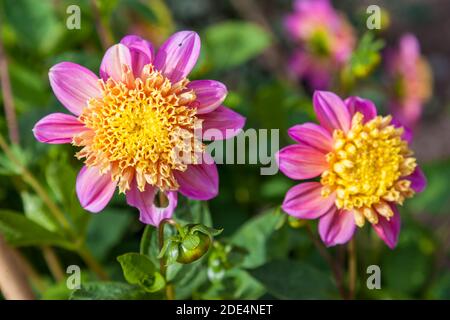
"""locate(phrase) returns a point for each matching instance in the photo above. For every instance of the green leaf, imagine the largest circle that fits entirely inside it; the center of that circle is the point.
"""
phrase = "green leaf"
(232, 43)
(19, 230)
(8, 167)
(109, 291)
(35, 211)
(237, 284)
(138, 269)
(193, 211)
(287, 279)
(62, 187)
(254, 236)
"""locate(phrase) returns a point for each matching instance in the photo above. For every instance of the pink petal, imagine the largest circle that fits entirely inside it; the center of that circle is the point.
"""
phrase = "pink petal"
(141, 51)
(94, 190)
(389, 231)
(407, 132)
(113, 61)
(199, 181)
(336, 227)
(57, 128)
(331, 111)
(222, 123)
(304, 201)
(364, 106)
(144, 201)
(73, 85)
(210, 94)
(312, 135)
(301, 162)
(409, 47)
(178, 55)
(418, 180)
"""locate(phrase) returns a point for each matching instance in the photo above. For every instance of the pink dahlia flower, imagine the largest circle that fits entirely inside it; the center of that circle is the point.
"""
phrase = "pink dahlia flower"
(325, 37)
(133, 121)
(365, 167)
(411, 79)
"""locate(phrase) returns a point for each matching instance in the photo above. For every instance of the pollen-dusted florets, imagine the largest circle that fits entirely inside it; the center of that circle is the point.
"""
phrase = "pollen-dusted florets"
(139, 128)
(367, 168)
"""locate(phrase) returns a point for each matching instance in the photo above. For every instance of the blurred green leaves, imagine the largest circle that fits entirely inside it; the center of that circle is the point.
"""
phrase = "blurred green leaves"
(19, 230)
(436, 196)
(36, 27)
(286, 279)
(105, 230)
(254, 236)
(232, 43)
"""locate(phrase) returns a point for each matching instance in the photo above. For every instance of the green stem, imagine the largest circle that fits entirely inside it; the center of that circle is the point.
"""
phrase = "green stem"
(170, 289)
(352, 269)
(329, 259)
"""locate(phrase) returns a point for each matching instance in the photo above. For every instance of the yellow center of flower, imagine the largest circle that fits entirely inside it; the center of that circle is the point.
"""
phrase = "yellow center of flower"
(140, 128)
(368, 166)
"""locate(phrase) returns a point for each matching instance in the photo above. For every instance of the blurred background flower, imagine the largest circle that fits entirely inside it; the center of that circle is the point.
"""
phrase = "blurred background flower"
(325, 37)
(411, 80)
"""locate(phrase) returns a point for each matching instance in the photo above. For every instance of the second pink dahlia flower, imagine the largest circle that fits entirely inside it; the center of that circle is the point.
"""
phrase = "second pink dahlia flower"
(131, 122)
(365, 166)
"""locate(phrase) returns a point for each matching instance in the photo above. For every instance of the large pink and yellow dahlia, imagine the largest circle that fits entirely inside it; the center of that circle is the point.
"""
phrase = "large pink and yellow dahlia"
(365, 167)
(134, 121)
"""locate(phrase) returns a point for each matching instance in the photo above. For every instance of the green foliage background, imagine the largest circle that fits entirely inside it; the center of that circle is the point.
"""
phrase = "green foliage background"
(261, 253)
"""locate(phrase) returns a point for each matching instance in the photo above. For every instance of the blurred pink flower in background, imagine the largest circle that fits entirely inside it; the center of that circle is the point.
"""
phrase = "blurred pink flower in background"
(365, 166)
(411, 81)
(131, 123)
(325, 41)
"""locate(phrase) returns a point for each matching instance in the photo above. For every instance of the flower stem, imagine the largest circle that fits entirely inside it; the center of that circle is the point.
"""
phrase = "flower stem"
(53, 263)
(352, 269)
(13, 281)
(329, 259)
(8, 100)
(170, 289)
